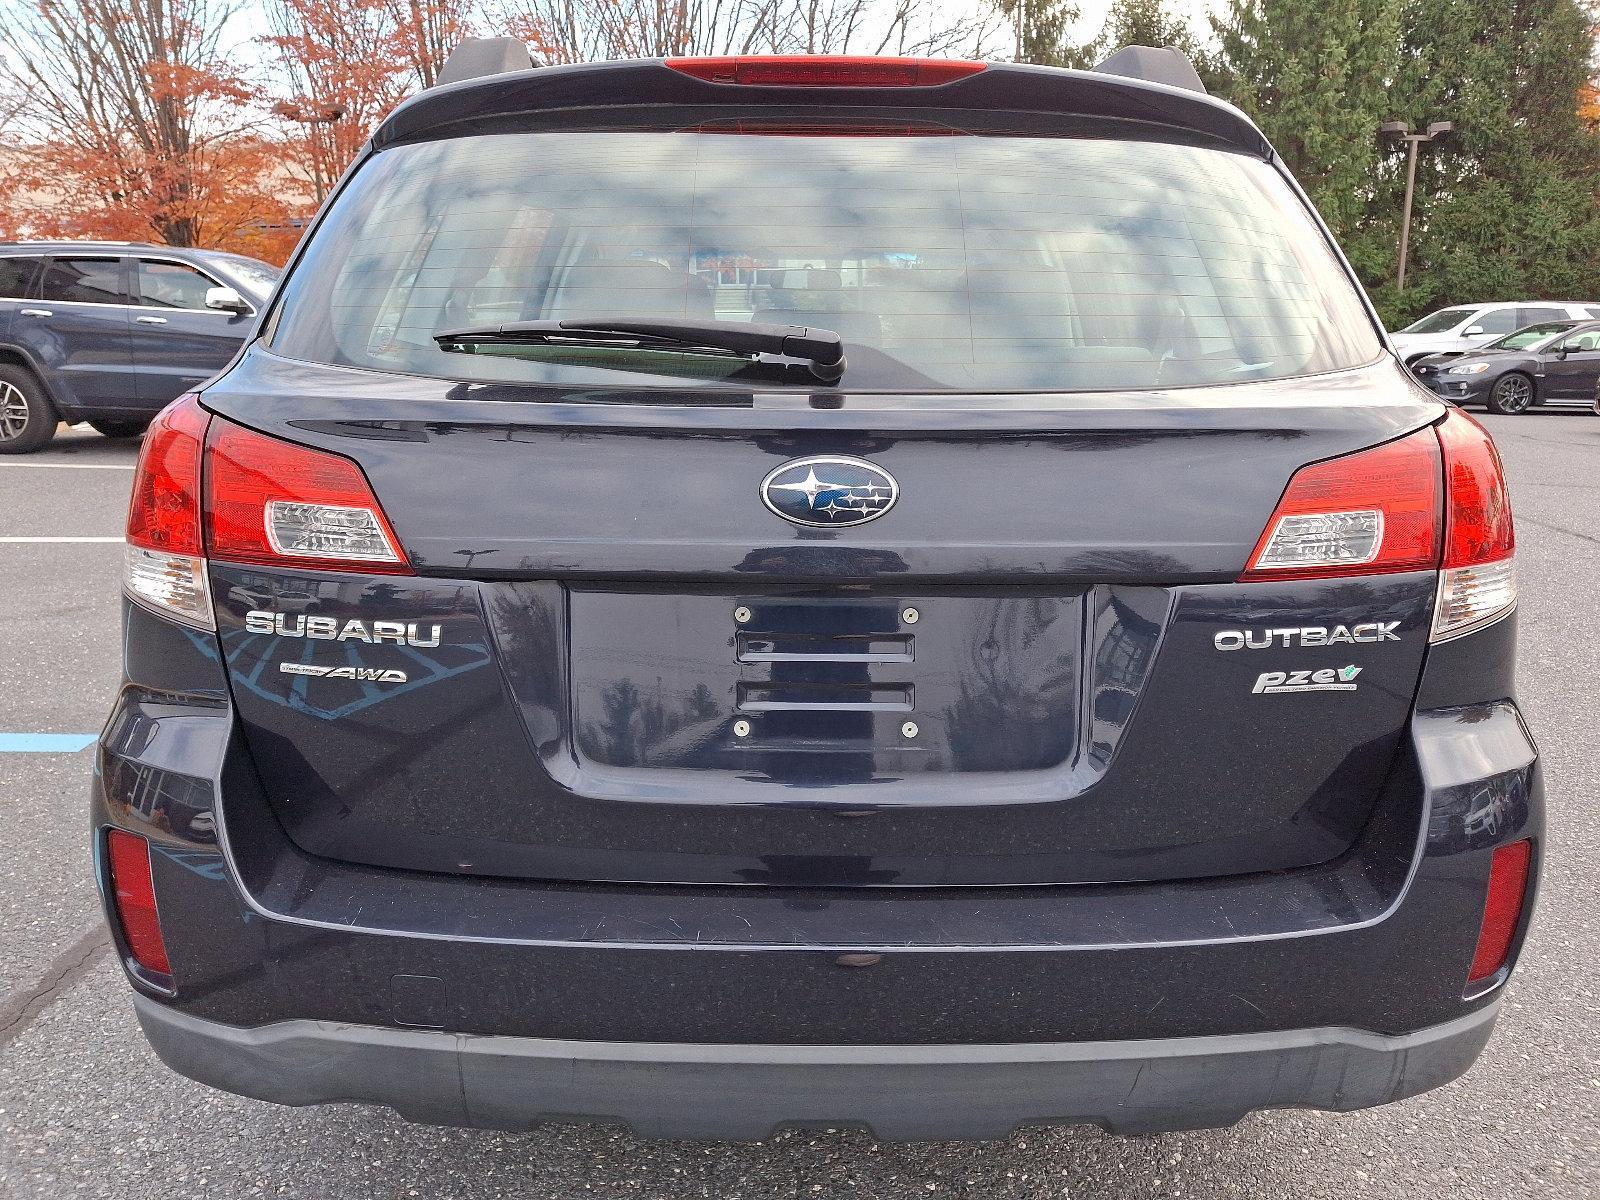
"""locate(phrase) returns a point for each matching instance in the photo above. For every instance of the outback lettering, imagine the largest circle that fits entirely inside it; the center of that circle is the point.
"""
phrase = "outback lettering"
(1307, 635)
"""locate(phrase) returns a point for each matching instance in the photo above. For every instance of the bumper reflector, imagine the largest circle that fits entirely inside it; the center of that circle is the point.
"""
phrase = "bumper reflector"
(1502, 909)
(133, 893)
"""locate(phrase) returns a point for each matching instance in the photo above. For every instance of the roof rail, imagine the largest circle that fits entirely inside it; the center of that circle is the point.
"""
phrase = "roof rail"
(85, 241)
(1153, 64)
(475, 58)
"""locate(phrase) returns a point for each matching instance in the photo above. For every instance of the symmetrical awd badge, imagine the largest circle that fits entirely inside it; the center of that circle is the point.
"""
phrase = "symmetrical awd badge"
(824, 491)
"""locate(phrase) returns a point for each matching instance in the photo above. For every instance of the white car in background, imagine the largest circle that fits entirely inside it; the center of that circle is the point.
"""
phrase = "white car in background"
(1468, 326)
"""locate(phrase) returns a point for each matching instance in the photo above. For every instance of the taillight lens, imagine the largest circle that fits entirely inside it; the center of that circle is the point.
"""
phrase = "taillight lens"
(1368, 513)
(133, 895)
(276, 503)
(1502, 909)
(1478, 584)
(1434, 499)
(163, 565)
(806, 70)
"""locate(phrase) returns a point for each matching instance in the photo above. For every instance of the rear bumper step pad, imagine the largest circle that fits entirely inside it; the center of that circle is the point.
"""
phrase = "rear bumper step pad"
(686, 1090)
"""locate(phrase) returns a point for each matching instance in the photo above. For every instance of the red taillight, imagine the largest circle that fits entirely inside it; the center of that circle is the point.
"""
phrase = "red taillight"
(806, 70)
(1502, 909)
(133, 894)
(162, 565)
(280, 504)
(1478, 585)
(164, 511)
(1477, 526)
(1369, 513)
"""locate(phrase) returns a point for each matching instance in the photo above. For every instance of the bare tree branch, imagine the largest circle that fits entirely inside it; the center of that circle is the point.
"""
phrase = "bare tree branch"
(134, 103)
(566, 31)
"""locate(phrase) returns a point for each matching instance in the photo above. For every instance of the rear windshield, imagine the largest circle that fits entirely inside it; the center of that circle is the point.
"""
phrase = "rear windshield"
(1522, 339)
(258, 278)
(946, 263)
(1441, 321)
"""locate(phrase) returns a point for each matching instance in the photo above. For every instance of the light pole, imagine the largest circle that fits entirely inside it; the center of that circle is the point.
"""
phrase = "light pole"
(1397, 132)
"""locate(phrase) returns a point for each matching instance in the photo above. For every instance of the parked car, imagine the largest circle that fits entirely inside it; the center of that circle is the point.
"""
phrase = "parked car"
(1555, 363)
(1074, 695)
(1469, 326)
(111, 332)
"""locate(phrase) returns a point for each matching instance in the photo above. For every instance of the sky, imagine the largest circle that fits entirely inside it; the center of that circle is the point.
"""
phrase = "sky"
(248, 21)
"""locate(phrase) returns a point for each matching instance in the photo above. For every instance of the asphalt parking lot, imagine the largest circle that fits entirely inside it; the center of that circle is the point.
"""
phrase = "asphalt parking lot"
(86, 1110)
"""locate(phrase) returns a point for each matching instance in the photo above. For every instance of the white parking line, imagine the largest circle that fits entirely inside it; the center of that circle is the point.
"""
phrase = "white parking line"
(72, 466)
(35, 540)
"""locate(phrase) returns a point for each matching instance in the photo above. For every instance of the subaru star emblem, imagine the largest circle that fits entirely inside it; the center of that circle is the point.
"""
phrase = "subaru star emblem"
(825, 491)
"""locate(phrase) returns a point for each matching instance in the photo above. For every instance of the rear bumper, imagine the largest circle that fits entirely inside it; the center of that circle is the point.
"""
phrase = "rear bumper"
(686, 1090)
(728, 1010)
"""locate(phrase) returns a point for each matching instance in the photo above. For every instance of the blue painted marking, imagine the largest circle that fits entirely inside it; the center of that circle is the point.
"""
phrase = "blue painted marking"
(45, 743)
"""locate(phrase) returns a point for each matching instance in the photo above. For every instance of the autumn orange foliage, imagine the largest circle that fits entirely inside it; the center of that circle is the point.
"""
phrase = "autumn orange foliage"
(128, 119)
(136, 128)
(222, 199)
(337, 58)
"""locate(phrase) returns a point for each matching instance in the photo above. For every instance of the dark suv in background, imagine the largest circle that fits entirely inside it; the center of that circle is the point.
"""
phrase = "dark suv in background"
(110, 332)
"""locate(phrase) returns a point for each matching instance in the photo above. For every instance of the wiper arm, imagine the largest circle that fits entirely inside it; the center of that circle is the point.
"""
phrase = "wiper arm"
(821, 349)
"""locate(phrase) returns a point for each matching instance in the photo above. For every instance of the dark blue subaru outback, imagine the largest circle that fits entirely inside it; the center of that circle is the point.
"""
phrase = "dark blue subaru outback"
(731, 593)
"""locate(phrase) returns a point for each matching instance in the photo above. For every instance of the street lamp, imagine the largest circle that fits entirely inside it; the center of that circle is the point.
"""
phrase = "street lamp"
(1396, 132)
(312, 116)
(323, 114)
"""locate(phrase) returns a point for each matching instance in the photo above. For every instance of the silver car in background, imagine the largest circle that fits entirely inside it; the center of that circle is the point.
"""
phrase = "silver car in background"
(1468, 326)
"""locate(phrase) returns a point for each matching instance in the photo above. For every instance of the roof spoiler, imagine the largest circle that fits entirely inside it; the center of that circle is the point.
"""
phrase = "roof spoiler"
(1153, 64)
(476, 57)
(632, 93)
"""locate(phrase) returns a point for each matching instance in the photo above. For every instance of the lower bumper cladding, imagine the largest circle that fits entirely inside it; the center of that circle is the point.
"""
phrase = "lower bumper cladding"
(686, 1090)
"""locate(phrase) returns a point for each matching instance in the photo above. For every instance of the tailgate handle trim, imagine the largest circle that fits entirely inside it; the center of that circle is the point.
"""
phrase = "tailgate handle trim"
(780, 647)
(803, 697)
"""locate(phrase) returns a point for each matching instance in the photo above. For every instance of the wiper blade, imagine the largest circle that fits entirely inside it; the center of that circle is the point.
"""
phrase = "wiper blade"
(821, 349)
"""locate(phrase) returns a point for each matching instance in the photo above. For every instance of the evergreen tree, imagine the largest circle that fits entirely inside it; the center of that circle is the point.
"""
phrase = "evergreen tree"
(1145, 23)
(1040, 32)
(1041, 28)
(1506, 206)
(1316, 76)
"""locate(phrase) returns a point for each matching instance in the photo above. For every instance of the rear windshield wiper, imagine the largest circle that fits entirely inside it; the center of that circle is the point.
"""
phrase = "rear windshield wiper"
(821, 349)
